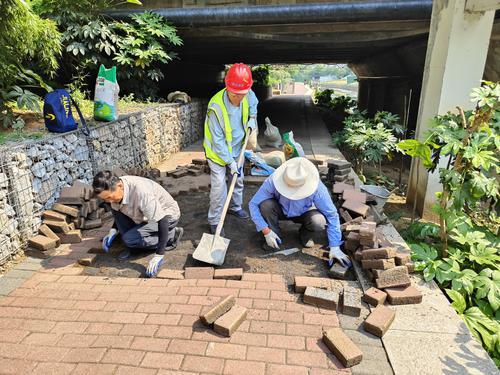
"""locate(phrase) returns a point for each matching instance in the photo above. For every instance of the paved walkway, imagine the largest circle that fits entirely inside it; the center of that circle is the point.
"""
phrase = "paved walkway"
(57, 323)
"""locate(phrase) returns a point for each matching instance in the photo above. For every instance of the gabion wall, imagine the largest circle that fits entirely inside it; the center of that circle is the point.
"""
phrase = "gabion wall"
(32, 174)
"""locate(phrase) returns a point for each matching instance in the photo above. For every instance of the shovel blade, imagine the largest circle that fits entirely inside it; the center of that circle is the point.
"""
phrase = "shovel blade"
(211, 249)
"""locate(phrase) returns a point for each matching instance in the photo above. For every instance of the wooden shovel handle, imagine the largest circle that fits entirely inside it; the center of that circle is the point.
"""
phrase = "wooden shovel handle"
(241, 158)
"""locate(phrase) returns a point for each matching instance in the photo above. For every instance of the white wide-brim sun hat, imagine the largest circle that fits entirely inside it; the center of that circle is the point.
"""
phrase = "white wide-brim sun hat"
(296, 178)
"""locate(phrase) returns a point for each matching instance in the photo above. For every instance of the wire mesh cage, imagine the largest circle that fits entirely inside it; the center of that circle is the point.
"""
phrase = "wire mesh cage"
(33, 173)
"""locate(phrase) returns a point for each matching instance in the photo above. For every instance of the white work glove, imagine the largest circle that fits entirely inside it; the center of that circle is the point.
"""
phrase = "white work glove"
(272, 240)
(336, 253)
(108, 240)
(154, 265)
(252, 123)
(234, 169)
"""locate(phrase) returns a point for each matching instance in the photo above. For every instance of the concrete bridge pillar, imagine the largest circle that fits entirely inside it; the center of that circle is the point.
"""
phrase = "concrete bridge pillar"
(455, 61)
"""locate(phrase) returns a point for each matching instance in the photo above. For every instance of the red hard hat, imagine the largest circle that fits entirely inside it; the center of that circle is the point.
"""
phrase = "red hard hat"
(239, 79)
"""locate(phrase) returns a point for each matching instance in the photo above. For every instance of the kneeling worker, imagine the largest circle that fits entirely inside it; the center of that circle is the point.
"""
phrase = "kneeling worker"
(294, 192)
(145, 215)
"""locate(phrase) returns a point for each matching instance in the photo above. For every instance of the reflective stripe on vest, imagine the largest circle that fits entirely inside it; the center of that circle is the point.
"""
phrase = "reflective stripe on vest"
(217, 106)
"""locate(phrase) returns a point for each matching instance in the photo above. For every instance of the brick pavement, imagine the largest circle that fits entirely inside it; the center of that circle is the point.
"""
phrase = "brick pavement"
(58, 321)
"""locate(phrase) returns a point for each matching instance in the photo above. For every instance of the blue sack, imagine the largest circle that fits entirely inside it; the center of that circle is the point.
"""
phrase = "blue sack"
(57, 113)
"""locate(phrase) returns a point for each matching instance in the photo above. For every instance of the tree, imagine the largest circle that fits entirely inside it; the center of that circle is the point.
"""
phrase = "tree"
(24, 38)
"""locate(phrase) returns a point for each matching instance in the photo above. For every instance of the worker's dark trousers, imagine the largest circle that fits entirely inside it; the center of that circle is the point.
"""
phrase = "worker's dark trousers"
(140, 236)
(312, 220)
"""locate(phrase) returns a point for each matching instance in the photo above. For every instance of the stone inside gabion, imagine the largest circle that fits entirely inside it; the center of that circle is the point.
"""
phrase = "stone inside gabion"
(35, 172)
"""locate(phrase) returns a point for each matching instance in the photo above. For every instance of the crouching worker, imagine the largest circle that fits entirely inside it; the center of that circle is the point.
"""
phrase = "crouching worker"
(294, 192)
(145, 214)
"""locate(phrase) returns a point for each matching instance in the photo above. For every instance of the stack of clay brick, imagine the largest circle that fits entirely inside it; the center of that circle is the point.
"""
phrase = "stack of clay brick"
(338, 171)
(186, 179)
(224, 316)
(351, 203)
(196, 168)
(90, 213)
(151, 173)
(388, 267)
(62, 224)
(337, 296)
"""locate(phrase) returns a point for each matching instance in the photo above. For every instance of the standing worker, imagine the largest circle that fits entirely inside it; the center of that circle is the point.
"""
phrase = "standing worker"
(230, 113)
(294, 192)
(145, 214)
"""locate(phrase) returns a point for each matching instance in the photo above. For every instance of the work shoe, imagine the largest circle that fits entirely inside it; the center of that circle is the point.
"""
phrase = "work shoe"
(124, 255)
(179, 231)
(213, 228)
(306, 237)
(241, 214)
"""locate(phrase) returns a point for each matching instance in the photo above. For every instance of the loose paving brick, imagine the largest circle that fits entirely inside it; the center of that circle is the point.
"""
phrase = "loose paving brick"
(64, 209)
(354, 195)
(218, 309)
(337, 271)
(170, 274)
(381, 253)
(394, 277)
(358, 255)
(342, 347)
(46, 231)
(229, 273)
(379, 321)
(350, 302)
(374, 297)
(302, 282)
(340, 187)
(91, 224)
(402, 259)
(53, 215)
(356, 207)
(73, 236)
(42, 243)
(199, 273)
(380, 264)
(321, 298)
(228, 323)
(403, 295)
(57, 226)
(352, 241)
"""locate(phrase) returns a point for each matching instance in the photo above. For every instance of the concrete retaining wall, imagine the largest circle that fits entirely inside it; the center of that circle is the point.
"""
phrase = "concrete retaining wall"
(32, 174)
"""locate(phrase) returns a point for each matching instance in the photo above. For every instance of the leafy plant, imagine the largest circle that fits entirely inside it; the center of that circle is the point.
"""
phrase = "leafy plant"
(469, 142)
(342, 103)
(368, 142)
(462, 252)
(24, 38)
(323, 98)
(261, 75)
(142, 49)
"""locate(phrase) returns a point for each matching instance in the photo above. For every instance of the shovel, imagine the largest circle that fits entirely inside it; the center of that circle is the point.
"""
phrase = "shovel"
(212, 247)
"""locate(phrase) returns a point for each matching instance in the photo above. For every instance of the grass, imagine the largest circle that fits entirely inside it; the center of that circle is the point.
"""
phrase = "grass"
(34, 129)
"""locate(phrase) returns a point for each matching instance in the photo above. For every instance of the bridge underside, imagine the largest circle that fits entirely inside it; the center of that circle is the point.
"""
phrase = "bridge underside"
(384, 43)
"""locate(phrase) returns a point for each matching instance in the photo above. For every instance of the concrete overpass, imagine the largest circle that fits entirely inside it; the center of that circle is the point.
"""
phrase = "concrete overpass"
(385, 43)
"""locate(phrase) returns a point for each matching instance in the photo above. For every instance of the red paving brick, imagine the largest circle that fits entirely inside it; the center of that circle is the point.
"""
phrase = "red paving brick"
(92, 325)
(234, 367)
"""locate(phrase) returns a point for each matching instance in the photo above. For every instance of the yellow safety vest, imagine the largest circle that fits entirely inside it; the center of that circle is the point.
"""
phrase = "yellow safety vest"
(217, 106)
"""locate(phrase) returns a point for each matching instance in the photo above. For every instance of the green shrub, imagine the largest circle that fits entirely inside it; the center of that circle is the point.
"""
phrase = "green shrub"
(261, 75)
(462, 252)
(139, 47)
(323, 98)
(367, 141)
(24, 38)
